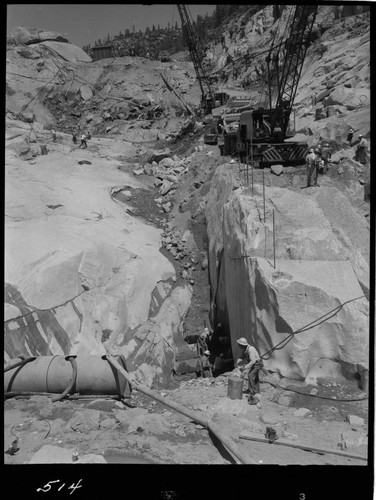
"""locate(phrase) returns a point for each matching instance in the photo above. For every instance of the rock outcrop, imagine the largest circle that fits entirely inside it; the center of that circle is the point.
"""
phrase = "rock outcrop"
(66, 51)
(27, 36)
(318, 268)
(80, 272)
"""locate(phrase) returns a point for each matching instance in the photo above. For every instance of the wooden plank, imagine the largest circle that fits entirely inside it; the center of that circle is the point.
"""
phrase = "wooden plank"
(282, 442)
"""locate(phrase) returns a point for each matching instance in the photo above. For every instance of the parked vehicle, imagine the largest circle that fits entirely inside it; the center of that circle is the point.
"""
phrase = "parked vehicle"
(211, 133)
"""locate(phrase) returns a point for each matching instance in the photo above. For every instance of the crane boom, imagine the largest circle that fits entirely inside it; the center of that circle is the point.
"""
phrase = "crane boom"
(206, 91)
(262, 133)
(295, 50)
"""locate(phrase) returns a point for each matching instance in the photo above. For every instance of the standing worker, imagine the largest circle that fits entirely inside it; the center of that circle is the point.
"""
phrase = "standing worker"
(83, 141)
(318, 165)
(326, 155)
(220, 126)
(311, 165)
(203, 341)
(53, 135)
(74, 136)
(361, 151)
(206, 367)
(350, 135)
(88, 135)
(251, 369)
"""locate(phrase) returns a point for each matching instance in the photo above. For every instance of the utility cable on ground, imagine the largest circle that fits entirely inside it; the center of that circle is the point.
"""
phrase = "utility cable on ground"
(277, 386)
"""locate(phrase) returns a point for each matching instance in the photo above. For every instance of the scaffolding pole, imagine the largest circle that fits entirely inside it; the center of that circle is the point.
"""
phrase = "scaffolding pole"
(263, 192)
(274, 238)
(252, 179)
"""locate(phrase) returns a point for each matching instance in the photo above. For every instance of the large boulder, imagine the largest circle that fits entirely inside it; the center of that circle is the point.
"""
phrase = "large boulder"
(159, 155)
(319, 265)
(29, 36)
(67, 51)
(86, 92)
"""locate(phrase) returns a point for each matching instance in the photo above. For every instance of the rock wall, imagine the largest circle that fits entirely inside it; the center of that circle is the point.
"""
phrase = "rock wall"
(318, 267)
(81, 274)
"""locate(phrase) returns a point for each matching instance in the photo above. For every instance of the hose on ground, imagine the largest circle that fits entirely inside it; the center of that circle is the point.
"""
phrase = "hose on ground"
(313, 395)
(27, 395)
(30, 421)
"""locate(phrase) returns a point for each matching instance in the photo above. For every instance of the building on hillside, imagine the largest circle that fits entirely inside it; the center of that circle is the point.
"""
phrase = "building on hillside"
(104, 52)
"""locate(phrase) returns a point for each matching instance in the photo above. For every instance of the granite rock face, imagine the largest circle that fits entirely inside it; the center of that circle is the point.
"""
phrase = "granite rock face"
(320, 264)
(82, 274)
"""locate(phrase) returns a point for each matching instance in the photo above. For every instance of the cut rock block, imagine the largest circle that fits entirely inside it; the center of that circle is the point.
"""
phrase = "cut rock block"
(354, 420)
(302, 412)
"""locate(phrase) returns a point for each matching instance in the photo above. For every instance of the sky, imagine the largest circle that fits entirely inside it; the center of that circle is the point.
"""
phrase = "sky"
(82, 24)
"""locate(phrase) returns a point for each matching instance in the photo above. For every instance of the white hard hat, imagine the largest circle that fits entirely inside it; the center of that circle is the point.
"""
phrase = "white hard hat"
(360, 135)
(242, 341)
(311, 150)
(207, 353)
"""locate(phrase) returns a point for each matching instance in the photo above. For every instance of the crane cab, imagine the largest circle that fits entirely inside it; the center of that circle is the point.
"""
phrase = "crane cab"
(256, 140)
(254, 126)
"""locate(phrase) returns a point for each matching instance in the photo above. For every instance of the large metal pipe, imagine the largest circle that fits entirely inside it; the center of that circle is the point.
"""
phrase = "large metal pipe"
(53, 374)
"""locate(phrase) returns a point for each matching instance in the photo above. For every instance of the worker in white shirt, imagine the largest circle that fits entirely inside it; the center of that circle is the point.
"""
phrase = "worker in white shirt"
(249, 363)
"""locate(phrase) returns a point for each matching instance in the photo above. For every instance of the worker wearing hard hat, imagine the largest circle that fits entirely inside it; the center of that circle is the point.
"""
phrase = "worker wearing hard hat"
(361, 150)
(206, 366)
(311, 160)
(203, 341)
(249, 363)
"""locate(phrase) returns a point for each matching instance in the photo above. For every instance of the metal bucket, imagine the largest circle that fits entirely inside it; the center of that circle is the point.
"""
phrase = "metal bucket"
(52, 374)
(235, 388)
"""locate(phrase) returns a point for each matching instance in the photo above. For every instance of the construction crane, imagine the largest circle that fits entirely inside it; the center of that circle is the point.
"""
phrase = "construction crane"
(209, 99)
(262, 132)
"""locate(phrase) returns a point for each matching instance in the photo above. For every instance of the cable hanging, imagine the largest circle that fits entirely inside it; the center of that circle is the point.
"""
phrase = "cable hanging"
(307, 327)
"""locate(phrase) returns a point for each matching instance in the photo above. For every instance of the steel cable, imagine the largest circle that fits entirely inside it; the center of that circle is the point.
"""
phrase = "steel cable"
(307, 327)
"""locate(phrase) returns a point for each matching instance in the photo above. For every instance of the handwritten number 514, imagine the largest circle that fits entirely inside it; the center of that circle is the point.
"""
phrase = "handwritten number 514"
(48, 486)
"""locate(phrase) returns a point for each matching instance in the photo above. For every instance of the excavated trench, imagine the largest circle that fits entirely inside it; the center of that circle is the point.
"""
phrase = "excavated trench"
(141, 204)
